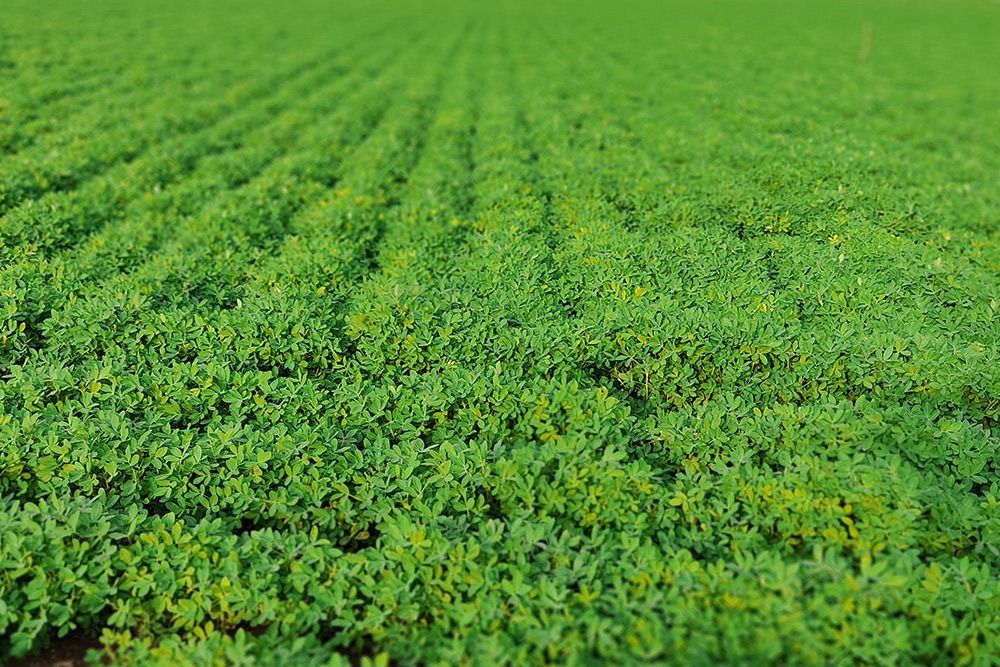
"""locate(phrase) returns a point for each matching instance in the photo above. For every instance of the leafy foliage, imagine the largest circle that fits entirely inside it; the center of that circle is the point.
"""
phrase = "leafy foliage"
(517, 333)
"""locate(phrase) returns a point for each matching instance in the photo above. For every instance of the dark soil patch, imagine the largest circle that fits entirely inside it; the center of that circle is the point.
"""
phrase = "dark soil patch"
(68, 651)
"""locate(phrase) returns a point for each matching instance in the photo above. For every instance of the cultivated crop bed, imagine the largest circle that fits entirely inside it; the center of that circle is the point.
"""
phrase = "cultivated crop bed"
(493, 333)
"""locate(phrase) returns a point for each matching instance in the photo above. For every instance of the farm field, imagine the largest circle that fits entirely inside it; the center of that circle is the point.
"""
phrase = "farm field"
(522, 332)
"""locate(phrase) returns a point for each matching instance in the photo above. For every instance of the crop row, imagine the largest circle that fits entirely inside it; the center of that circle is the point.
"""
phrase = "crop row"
(487, 336)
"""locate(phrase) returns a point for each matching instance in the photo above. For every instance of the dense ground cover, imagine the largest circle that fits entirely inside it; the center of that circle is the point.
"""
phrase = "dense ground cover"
(508, 332)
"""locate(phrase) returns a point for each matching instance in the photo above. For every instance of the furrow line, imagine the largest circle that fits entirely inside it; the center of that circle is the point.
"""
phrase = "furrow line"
(107, 199)
(119, 248)
(127, 147)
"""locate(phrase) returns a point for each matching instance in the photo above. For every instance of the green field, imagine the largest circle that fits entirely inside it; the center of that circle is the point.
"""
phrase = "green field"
(486, 333)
